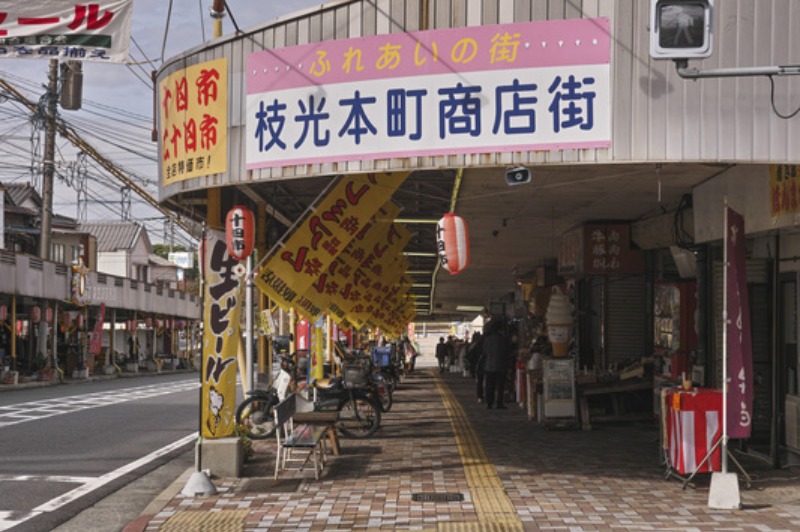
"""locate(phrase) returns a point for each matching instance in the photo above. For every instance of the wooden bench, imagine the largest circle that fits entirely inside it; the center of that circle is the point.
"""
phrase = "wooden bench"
(325, 419)
(614, 390)
(302, 437)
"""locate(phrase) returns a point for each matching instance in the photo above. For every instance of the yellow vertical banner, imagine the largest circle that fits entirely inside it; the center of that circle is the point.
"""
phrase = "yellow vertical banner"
(784, 188)
(193, 121)
(316, 242)
(222, 308)
(318, 350)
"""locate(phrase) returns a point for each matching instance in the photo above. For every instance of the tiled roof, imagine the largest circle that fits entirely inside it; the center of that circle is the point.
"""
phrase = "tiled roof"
(114, 236)
(19, 192)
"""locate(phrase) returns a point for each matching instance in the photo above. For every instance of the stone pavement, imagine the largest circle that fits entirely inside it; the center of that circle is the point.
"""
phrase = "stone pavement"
(499, 470)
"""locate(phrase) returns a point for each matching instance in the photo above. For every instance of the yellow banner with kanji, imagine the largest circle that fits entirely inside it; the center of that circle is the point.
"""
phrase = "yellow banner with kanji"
(222, 306)
(784, 188)
(315, 244)
(193, 121)
(330, 291)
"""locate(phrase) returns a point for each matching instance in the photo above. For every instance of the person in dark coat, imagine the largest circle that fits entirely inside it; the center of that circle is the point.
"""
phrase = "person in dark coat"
(476, 363)
(495, 350)
(442, 350)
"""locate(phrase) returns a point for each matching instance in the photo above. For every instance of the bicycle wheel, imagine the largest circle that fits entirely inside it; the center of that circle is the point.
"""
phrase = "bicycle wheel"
(359, 417)
(255, 418)
(383, 396)
(390, 380)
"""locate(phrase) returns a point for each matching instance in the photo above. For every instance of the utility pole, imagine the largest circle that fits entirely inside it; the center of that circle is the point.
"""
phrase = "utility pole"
(51, 102)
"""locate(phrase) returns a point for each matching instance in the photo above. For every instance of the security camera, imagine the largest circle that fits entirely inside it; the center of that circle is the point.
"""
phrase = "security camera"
(519, 175)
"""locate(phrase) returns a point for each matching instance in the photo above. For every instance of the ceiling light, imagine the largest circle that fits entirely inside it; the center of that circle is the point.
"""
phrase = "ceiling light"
(419, 254)
(470, 308)
(416, 221)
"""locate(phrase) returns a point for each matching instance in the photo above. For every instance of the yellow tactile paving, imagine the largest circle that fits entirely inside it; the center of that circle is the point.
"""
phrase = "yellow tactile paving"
(205, 521)
(494, 508)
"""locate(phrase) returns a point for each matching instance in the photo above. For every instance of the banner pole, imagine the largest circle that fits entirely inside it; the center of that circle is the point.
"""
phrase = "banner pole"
(725, 267)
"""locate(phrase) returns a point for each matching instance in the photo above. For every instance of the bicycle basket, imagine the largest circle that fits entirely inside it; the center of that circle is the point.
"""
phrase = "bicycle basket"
(354, 375)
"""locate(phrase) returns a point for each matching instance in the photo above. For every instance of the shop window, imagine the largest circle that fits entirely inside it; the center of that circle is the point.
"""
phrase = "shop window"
(77, 252)
(141, 272)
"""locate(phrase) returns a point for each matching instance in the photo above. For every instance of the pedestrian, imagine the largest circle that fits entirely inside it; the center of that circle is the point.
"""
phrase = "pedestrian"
(495, 350)
(474, 349)
(441, 354)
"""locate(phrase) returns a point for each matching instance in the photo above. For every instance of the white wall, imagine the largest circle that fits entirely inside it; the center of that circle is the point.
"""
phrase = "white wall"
(113, 263)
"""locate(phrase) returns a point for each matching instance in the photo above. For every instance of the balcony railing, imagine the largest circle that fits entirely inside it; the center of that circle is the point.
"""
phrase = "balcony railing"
(30, 276)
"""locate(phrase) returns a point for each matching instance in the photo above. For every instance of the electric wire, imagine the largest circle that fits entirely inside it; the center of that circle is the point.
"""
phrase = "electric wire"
(772, 102)
(166, 31)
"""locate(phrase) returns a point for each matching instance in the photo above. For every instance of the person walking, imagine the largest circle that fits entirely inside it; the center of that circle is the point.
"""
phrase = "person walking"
(495, 353)
(442, 351)
(476, 363)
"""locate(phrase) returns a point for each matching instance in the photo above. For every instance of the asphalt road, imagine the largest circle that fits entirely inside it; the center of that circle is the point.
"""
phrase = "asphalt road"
(64, 449)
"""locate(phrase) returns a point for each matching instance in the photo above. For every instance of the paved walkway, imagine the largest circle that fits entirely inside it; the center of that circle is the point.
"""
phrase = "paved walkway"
(512, 474)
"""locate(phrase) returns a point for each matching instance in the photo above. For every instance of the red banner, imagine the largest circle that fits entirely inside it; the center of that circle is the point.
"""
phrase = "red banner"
(740, 346)
(96, 338)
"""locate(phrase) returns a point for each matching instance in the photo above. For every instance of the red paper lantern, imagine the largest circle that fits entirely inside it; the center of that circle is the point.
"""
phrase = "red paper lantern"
(240, 232)
(79, 321)
(3, 312)
(452, 243)
(48, 315)
(36, 314)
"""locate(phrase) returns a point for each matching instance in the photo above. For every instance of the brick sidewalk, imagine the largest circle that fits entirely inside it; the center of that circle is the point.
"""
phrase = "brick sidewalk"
(512, 473)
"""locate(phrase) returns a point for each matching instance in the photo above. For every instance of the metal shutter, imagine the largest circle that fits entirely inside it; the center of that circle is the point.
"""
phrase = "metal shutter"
(627, 319)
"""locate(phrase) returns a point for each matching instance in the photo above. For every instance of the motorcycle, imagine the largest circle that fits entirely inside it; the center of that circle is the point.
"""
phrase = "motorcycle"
(359, 409)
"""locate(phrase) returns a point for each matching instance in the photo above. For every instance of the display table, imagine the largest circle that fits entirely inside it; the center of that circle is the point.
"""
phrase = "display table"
(614, 390)
(693, 427)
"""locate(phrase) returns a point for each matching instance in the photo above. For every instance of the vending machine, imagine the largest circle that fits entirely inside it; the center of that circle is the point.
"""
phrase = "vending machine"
(674, 335)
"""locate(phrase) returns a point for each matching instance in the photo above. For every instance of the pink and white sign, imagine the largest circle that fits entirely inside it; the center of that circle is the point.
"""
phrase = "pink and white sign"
(510, 87)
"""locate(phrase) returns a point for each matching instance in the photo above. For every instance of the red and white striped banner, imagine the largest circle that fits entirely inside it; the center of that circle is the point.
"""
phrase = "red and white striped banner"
(693, 427)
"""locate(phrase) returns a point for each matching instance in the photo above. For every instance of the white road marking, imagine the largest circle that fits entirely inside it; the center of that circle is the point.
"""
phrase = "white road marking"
(40, 409)
(91, 484)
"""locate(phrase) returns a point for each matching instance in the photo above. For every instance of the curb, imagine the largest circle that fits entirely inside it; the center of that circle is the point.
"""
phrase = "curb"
(162, 499)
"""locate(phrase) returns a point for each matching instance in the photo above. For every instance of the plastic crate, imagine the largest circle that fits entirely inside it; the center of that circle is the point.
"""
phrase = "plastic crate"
(382, 356)
(354, 375)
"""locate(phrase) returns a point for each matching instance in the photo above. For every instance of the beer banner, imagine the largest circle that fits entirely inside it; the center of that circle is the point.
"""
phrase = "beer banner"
(98, 31)
(221, 334)
(314, 245)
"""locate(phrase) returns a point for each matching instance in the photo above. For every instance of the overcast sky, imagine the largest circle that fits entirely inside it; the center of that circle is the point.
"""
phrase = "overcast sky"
(127, 89)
